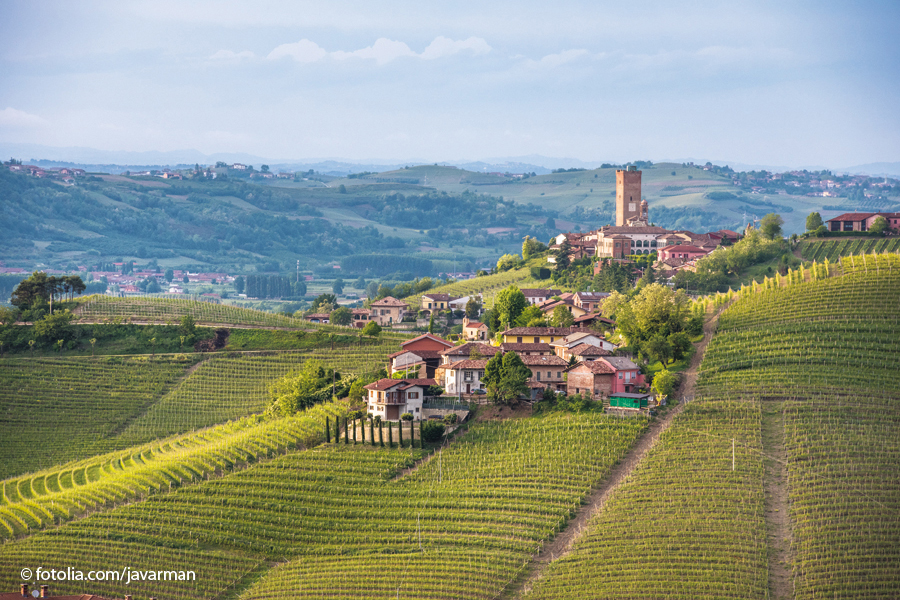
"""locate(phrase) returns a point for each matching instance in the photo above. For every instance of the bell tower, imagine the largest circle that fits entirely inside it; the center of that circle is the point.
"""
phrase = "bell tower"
(628, 195)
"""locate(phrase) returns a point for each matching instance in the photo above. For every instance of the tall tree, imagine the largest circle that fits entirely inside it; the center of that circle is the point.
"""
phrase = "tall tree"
(506, 377)
(509, 305)
(813, 221)
(770, 226)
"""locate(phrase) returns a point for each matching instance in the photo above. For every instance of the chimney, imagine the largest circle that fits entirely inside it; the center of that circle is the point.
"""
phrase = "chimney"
(45, 591)
(24, 590)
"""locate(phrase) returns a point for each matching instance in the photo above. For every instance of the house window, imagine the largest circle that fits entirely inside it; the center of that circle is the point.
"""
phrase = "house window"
(538, 375)
(467, 376)
(417, 409)
(620, 376)
(537, 340)
(413, 395)
(549, 375)
(518, 340)
(559, 374)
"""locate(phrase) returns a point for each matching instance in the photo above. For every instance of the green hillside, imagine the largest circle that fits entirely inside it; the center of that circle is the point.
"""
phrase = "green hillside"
(802, 380)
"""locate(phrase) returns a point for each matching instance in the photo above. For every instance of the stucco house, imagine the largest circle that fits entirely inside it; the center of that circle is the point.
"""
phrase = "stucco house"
(388, 311)
(390, 398)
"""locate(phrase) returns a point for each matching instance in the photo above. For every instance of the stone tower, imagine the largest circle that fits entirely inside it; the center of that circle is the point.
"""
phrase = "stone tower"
(628, 195)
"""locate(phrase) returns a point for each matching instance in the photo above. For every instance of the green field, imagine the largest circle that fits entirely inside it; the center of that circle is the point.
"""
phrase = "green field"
(819, 250)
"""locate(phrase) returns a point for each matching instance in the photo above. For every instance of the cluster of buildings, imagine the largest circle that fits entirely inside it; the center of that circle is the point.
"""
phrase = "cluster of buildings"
(65, 174)
(632, 234)
(565, 360)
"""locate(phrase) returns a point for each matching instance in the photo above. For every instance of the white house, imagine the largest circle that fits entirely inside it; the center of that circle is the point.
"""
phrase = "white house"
(464, 376)
(563, 347)
(390, 398)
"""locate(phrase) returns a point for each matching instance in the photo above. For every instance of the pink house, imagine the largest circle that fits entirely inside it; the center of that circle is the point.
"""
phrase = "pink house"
(627, 376)
(682, 252)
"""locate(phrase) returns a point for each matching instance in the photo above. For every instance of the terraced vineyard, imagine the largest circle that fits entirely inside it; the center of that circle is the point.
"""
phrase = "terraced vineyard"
(685, 525)
(231, 387)
(55, 410)
(146, 309)
(824, 355)
(833, 250)
(48, 497)
(478, 510)
(79, 407)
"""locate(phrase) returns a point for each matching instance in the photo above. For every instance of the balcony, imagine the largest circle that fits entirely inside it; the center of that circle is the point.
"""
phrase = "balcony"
(393, 398)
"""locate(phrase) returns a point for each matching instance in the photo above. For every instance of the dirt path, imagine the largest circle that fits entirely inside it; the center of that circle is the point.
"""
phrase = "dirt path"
(563, 543)
(778, 525)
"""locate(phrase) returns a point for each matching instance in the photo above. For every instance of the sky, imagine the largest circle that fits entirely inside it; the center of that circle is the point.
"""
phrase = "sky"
(782, 82)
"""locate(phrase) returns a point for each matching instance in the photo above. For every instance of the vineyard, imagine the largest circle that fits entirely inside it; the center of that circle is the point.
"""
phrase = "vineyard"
(833, 250)
(825, 354)
(49, 497)
(56, 410)
(463, 525)
(684, 525)
(146, 309)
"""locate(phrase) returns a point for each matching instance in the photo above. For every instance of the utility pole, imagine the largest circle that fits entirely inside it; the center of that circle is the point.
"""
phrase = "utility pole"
(298, 270)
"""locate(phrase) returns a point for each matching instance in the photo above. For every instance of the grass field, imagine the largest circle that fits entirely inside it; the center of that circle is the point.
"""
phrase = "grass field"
(834, 249)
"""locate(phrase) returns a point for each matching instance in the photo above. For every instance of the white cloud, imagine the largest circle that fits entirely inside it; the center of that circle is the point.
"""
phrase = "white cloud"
(13, 118)
(561, 58)
(304, 51)
(383, 51)
(229, 55)
(442, 46)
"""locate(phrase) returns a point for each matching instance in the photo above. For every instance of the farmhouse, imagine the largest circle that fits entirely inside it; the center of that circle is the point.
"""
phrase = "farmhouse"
(546, 371)
(682, 252)
(388, 311)
(475, 330)
(537, 296)
(436, 302)
(604, 376)
(390, 398)
(861, 221)
(464, 376)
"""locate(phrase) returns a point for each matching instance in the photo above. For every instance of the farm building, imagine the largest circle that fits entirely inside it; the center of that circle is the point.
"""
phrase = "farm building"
(631, 401)
(390, 398)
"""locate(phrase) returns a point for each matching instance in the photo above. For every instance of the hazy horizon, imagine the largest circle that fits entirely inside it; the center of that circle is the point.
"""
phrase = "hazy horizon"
(763, 83)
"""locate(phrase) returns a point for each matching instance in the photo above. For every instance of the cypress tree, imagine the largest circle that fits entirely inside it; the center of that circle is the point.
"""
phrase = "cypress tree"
(372, 431)
(421, 437)
(346, 432)
(327, 431)
(390, 435)
(381, 433)
(337, 430)
(400, 433)
(354, 432)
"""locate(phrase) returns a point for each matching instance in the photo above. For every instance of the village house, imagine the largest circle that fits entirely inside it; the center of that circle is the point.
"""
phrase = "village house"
(436, 302)
(603, 377)
(388, 311)
(390, 398)
(475, 330)
(591, 320)
(589, 301)
(628, 375)
(861, 221)
(464, 376)
(360, 317)
(537, 296)
(422, 354)
(318, 318)
(468, 350)
(546, 372)
(536, 335)
(682, 252)
(583, 352)
(563, 346)
(539, 349)
(568, 304)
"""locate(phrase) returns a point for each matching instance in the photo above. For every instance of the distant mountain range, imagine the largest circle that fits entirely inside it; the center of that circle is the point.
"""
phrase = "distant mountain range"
(114, 161)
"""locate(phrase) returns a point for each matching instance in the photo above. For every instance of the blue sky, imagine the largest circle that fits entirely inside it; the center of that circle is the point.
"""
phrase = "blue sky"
(792, 83)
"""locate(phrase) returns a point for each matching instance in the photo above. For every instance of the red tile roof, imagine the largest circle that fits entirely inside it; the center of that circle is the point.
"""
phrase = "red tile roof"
(439, 297)
(386, 384)
(589, 350)
(597, 367)
(467, 364)
(425, 354)
(427, 336)
(549, 361)
(390, 301)
(538, 293)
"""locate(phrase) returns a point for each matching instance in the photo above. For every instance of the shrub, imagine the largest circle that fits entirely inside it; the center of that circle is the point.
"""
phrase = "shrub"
(432, 431)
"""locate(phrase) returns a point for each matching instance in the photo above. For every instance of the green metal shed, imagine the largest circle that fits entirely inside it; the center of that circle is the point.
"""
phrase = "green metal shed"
(627, 400)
